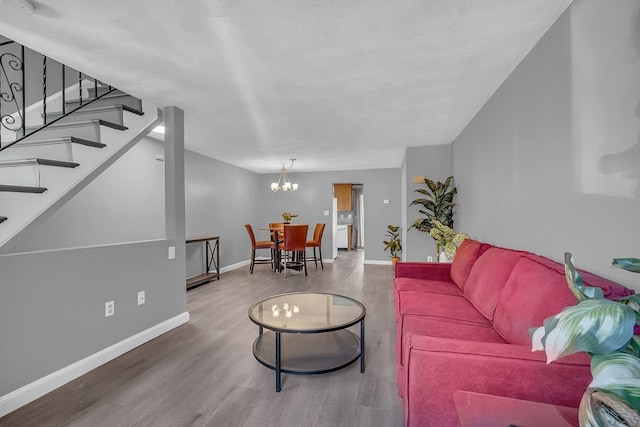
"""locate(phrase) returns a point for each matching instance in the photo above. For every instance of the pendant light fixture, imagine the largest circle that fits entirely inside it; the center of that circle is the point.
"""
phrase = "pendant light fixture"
(283, 181)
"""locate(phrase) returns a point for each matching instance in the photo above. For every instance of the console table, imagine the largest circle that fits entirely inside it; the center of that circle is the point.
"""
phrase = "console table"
(211, 257)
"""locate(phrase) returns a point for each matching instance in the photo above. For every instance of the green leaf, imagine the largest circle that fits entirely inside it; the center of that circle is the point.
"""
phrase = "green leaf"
(629, 264)
(574, 280)
(618, 373)
(597, 326)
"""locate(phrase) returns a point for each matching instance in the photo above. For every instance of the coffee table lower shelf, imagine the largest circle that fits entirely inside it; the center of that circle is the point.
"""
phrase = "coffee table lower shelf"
(308, 354)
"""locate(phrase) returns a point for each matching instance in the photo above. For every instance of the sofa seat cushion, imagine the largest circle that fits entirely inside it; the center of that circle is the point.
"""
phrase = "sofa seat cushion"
(466, 256)
(487, 278)
(437, 305)
(533, 292)
(437, 367)
(437, 327)
(425, 285)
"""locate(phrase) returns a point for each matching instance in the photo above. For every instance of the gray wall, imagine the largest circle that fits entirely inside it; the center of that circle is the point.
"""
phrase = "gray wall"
(220, 199)
(316, 194)
(551, 163)
(435, 163)
(52, 302)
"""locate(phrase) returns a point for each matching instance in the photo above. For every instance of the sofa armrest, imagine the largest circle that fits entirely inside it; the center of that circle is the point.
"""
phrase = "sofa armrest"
(424, 270)
(436, 367)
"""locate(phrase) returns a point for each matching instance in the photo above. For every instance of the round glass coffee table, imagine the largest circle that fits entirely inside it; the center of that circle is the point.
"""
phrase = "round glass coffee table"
(307, 333)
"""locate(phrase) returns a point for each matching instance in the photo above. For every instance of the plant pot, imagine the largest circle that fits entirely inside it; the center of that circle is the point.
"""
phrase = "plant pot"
(602, 409)
(394, 260)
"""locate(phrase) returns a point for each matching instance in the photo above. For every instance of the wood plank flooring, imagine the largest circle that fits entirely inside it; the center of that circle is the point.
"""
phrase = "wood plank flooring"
(204, 374)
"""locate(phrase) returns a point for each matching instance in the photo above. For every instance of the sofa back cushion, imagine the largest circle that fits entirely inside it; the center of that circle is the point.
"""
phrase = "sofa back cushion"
(487, 278)
(611, 290)
(466, 256)
(533, 292)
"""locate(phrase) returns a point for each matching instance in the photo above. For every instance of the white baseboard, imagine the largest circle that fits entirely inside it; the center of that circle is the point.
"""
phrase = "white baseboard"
(375, 262)
(234, 266)
(30, 392)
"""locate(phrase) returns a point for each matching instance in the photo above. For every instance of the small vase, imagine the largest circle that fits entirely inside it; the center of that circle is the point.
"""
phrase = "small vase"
(443, 257)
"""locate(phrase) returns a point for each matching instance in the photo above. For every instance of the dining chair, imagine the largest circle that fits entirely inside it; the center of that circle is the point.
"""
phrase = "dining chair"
(316, 242)
(293, 247)
(260, 244)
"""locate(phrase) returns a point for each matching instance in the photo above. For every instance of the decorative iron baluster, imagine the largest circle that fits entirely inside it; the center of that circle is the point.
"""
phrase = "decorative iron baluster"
(24, 94)
(64, 89)
(80, 87)
(11, 64)
(13, 106)
(44, 88)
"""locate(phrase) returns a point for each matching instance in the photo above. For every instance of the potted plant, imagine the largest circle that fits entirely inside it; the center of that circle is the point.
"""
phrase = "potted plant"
(393, 245)
(607, 330)
(438, 206)
(286, 217)
(446, 239)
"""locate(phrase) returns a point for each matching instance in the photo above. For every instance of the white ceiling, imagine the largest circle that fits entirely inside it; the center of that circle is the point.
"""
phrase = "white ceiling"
(337, 84)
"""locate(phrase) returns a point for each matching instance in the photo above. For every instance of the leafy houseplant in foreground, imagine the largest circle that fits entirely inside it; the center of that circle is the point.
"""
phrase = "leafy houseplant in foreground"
(605, 330)
(438, 205)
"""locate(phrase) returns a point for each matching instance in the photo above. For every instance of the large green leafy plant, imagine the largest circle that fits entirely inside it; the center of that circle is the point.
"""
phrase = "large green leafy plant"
(604, 329)
(438, 205)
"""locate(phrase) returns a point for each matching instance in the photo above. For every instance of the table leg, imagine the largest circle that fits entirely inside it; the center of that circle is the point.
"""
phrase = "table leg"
(278, 387)
(362, 346)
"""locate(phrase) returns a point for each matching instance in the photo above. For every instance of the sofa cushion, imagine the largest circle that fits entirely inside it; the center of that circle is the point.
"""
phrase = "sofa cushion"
(436, 327)
(611, 290)
(487, 278)
(466, 256)
(437, 305)
(533, 292)
(425, 285)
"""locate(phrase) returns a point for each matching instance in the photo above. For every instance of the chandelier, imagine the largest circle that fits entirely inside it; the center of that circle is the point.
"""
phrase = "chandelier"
(283, 182)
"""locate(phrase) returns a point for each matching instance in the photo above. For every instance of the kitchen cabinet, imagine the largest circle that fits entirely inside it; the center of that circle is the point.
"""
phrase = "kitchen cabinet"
(342, 192)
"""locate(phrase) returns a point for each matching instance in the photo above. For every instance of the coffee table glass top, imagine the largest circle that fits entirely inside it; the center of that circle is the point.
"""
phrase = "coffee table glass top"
(302, 312)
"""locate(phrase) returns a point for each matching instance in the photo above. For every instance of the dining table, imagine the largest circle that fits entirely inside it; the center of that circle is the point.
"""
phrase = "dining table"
(277, 236)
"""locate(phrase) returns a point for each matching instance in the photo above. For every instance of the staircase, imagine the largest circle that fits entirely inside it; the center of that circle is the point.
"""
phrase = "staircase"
(54, 160)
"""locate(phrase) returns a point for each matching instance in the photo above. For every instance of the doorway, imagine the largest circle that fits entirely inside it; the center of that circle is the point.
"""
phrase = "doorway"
(348, 217)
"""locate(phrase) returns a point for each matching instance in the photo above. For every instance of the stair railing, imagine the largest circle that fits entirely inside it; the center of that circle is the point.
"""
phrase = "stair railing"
(19, 88)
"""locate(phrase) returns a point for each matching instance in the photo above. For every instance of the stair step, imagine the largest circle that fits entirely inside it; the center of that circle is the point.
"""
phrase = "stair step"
(103, 89)
(84, 129)
(59, 149)
(22, 189)
(3, 219)
(57, 163)
(111, 99)
(26, 172)
(21, 173)
(110, 113)
(69, 139)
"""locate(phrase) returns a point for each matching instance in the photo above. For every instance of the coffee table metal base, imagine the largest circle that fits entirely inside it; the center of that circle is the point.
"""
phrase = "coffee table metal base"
(307, 354)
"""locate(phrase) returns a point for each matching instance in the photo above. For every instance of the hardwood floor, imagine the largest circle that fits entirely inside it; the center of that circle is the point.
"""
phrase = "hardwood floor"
(204, 374)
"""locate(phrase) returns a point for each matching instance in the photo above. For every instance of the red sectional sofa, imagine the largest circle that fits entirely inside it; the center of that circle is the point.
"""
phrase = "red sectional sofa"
(465, 326)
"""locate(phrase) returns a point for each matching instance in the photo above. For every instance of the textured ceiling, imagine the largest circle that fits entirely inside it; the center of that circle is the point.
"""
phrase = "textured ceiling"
(336, 84)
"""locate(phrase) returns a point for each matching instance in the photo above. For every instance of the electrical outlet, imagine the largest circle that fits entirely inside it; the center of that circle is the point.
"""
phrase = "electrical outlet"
(109, 308)
(172, 252)
(141, 297)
